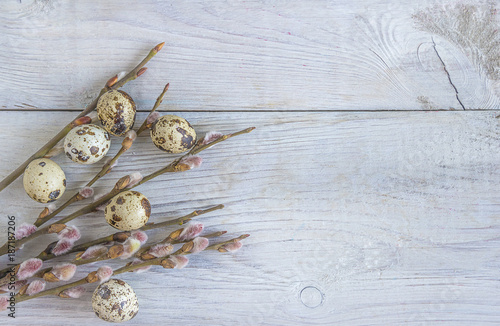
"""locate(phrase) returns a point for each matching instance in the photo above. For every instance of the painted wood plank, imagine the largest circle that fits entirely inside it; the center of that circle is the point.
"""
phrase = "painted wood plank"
(355, 218)
(254, 55)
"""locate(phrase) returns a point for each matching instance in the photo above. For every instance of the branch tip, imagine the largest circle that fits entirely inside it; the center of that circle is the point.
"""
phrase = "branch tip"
(159, 47)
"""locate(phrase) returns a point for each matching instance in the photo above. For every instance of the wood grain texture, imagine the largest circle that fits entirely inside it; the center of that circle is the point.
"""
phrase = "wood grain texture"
(254, 55)
(355, 218)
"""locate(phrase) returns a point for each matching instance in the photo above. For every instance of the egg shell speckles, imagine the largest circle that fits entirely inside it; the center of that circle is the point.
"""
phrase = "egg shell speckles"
(116, 110)
(173, 134)
(128, 211)
(86, 144)
(115, 301)
(44, 180)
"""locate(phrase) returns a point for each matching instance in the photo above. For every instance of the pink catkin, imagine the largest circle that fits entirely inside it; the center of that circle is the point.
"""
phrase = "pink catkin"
(121, 74)
(140, 269)
(200, 244)
(86, 192)
(35, 287)
(179, 261)
(191, 231)
(70, 233)
(25, 230)
(104, 273)
(94, 251)
(17, 285)
(51, 207)
(211, 136)
(161, 250)
(140, 235)
(62, 246)
(75, 292)
(130, 247)
(135, 178)
(131, 134)
(4, 303)
(28, 268)
(152, 117)
(64, 272)
(192, 161)
(233, 246)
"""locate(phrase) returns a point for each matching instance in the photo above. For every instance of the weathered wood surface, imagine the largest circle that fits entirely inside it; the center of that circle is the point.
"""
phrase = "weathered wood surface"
(254, 55)
(356, 218)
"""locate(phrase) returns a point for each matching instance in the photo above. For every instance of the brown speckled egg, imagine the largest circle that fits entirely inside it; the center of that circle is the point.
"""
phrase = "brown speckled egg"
(86, 144)
(128, 211)
(44, 180)
(115, 301)
(173, 134)
(116, 110)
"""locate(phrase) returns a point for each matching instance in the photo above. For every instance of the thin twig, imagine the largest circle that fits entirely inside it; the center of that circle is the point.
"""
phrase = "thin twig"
(172, 167)
(124, 269)
(47, 255)
(61, 134)
(105, 169)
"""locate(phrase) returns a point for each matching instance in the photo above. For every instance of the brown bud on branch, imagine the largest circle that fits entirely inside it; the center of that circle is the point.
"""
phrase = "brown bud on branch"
(112, 81)
(56, 228)
(121, 236)
(115, 251)
(85, 120)
(122, 183)
(141, 71)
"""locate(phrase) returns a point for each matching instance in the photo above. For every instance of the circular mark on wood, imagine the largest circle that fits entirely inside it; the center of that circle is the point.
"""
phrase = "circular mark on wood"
(311, 297)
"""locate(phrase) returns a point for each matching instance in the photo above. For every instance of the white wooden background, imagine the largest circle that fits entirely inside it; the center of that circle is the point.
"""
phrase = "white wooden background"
(369, 188)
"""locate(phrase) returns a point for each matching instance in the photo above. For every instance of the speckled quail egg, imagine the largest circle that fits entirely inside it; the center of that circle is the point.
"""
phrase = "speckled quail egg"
(44, 180)
(173, 134)
(116, 110)
(128, 211)
(115, 301)
(86, 144)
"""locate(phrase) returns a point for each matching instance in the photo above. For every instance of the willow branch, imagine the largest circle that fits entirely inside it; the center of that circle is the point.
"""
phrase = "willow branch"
(124, 269)
(136, 72)
(106, 167)
(47, 255)
(172, 167)
(217, 246)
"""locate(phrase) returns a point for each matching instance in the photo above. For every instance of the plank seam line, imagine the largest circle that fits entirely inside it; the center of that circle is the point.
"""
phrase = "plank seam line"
(447, 73)
(261, 111)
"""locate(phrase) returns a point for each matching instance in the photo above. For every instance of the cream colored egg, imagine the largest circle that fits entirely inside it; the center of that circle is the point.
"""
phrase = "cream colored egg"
(128, 211)
(86, 144)
(115, 301)
(173, 134)
(116, 110)
(44, 180)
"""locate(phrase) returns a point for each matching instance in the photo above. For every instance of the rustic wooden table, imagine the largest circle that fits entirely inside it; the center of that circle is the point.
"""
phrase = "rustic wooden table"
(369, 188)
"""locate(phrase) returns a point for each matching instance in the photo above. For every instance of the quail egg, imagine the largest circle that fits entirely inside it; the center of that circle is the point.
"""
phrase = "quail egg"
(173, 134)
(115, 301)
(86, 144)
(128, 211)
(116, 110)
(44, 180)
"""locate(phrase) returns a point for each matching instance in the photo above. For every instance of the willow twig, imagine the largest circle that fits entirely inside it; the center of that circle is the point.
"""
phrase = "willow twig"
(112, 84)
(105, 169)
(174, 166)
(127, 268)
(47, 255)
